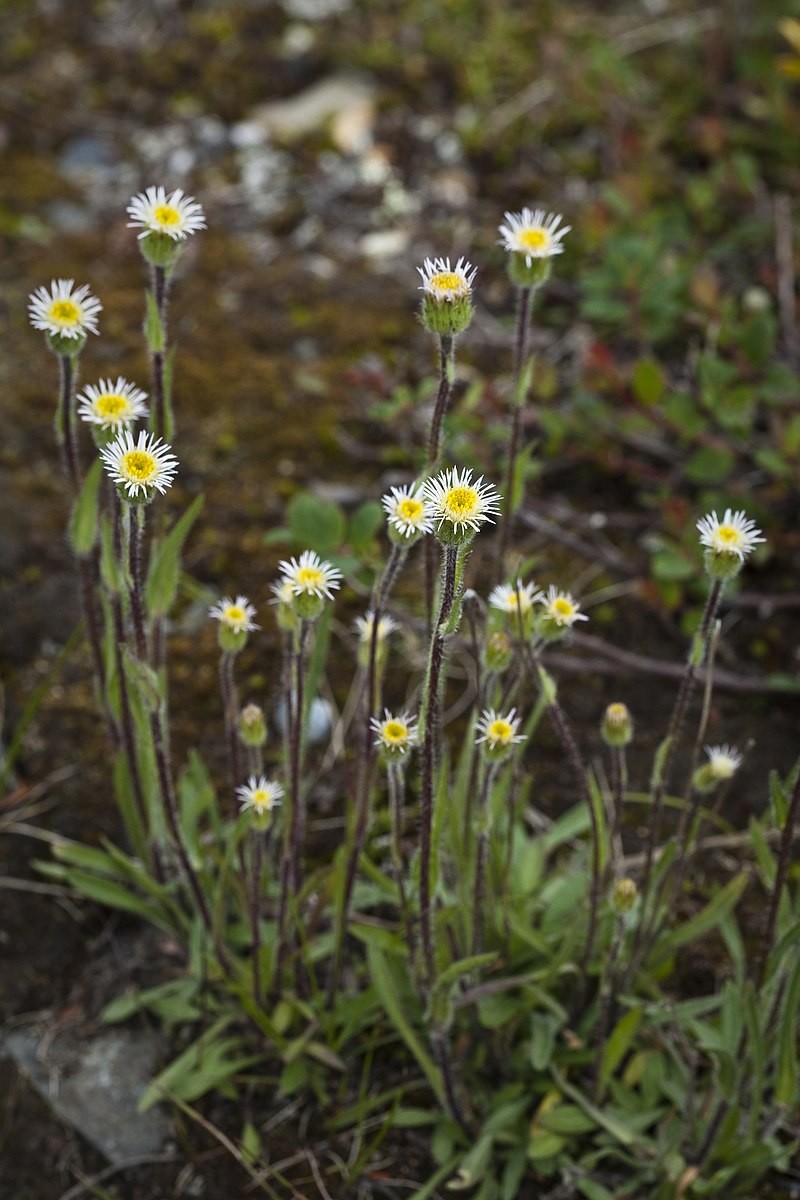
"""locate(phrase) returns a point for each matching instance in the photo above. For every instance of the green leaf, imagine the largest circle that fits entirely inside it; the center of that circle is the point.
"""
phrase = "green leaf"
(709, 917)
(567, 1119)
(114, 895)
(385, 985)
(83, 522)
(786, 1084)
(545, 1145)
(205, 1065)
(365, 523)
(162, 577)
(544, 1027)
(619, 1043)
(316, 524)
(647, 381)
(143, 678)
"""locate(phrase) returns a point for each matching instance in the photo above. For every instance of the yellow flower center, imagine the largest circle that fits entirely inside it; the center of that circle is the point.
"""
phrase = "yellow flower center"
(460, 503)
(561, 607)
(499, 731)
(165, 214)
(310, 578)
(111, 406)
(138, 465)
(409, 509)
(616, 714)
(447, 281)
(262, 798)
(65, 312)
(533, 239)
(729, 535)
(235, 614)
(395, 732)
(513, 600)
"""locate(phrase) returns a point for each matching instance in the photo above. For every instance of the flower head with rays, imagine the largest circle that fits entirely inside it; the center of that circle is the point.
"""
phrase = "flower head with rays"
(723, 761)
(446, 296)
(312, 582)
(364, 626)
(64, 312)
(514, 597)
(460, 505)
(498, 732)
(236, 615)
(407, 513)
(533, 234)
(445, 283)
(110, 406)
(395, 734)
(561, 612)
(176, 216)
(735, 534)
(310, 575)
(140, 467)
(260, 796)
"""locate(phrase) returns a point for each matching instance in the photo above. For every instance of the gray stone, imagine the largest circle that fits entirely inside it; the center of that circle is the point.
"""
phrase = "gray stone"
(94, 1084)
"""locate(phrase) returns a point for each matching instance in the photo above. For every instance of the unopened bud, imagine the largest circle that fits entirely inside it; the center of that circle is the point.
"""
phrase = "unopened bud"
(617, 727)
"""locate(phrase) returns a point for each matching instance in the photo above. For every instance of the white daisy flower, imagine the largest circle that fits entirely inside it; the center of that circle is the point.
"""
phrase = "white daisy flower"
(533, 234)
(283, 591)
(560, 608)
(140, 465)
(498, 732)
(260, 794)
(515, 597)
(64, 310)
(723, 762)
(734, 534)
(445, 283)
(111, 405)
(407, 512)
(236, 615)
(176, 215)
(458, 501)
(396, 734)
(310, 576)
(364, 626)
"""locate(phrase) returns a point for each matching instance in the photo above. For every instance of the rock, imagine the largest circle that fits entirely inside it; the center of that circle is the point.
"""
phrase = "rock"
(345, 102)
(94, 1084)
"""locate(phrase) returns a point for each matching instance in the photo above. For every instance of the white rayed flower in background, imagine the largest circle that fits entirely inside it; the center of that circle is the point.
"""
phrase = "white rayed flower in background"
(735, 534)
(723, 762)
(460, 505)
(407, 512)
(140, 466)
(310, 575)
(498, 732)
(533, 234)
(560, 608)
(396, 734)
(176, 215)
(366, 629)
(514, 597)
(236, 615)
(283, 591)
(112, 405)
(260, 794)
(364, 626)
(64, 311)
(445, 283)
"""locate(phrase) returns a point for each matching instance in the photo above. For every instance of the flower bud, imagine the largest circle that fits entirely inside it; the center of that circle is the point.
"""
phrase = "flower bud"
(252, 725)
(624, 896)
(617, 727)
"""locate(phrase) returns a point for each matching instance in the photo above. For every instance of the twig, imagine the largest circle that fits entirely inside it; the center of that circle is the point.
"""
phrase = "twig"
(784, 257)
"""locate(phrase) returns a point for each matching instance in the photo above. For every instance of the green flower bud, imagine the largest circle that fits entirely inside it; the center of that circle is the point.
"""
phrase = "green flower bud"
(624, 896)
(252, 725)
(617, 727)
